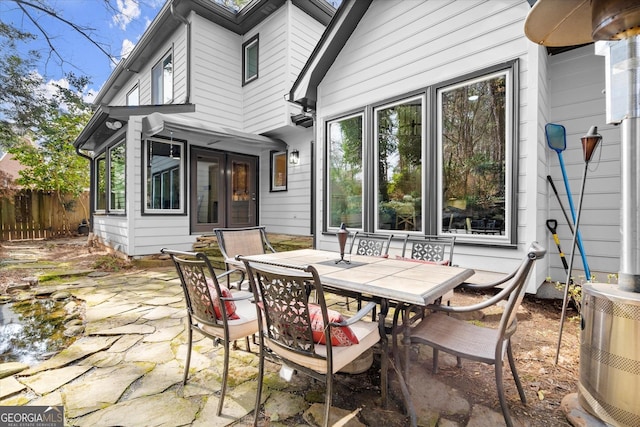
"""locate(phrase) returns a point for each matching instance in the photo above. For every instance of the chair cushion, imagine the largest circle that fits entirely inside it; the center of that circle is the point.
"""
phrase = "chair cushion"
(423, 261)
(229, 305)
(368, 334)
(340, 336)
(246, 324)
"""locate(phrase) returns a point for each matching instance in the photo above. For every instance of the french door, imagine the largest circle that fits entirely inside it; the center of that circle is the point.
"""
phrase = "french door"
(223, 190)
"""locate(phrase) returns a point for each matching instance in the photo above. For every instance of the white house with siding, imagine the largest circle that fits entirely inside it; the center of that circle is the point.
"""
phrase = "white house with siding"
(193, 129)
(409, 117)
(430, 119)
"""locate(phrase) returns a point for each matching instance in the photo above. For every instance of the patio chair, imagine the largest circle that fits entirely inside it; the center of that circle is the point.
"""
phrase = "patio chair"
(211, 309)
(436, 249)
(293, 331)
(474, 342)
(370, 244)
(241, 241)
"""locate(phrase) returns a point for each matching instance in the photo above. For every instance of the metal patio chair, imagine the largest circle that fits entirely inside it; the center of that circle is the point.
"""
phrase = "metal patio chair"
(292, 328)
(436, 249)
(211, 309)
(370, 244)
(241, 241)
(469, 341)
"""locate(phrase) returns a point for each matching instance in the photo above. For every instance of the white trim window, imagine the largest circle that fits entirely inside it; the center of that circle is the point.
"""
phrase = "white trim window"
(250, 59)
(164, 177)
(162, 81)
(475, 141)
(345, 172)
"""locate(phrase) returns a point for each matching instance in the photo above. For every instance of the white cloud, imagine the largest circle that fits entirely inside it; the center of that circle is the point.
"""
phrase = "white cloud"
(128, 11)
(127, 47)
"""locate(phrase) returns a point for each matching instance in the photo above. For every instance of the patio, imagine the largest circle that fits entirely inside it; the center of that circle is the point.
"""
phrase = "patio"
(128, 364)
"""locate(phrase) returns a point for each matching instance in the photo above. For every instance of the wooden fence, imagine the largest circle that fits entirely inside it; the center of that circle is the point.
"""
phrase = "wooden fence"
(39, 215)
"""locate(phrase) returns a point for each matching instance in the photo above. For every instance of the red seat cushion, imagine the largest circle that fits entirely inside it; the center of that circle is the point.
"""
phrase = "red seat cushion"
(340, 336)
(229, 305)
(423, 261)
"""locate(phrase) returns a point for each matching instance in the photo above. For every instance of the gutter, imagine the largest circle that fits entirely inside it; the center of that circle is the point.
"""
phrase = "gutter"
(91, 187)
(187, 25)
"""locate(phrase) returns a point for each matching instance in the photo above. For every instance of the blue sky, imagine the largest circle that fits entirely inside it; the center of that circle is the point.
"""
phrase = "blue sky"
(116, 30)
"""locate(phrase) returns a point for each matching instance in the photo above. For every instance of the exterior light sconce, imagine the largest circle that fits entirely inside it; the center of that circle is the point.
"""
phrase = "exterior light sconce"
(294, 157)
(113, 125)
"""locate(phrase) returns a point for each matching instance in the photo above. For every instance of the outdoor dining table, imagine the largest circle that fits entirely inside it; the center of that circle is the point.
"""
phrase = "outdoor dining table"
(387, 281)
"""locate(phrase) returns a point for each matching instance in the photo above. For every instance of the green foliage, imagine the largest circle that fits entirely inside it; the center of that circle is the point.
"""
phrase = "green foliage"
(43, 143)
(38, 127)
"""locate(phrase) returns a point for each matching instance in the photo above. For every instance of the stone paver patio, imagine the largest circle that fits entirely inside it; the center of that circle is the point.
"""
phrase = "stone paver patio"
(126, 369)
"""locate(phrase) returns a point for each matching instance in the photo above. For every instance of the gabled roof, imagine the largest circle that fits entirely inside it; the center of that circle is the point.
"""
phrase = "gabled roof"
(173, 14)
(346, 19)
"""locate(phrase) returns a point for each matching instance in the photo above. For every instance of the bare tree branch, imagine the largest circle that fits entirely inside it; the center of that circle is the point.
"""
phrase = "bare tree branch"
(83, 31)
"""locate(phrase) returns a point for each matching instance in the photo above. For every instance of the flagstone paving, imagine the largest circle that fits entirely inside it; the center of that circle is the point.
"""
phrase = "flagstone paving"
(127, 370)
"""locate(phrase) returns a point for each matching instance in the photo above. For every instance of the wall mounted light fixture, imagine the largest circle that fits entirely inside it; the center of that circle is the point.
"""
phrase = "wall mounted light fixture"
(294, 157)
(113, 125)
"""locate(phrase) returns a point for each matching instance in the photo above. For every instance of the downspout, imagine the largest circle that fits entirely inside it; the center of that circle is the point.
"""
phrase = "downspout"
(187, 25)
(91, 189)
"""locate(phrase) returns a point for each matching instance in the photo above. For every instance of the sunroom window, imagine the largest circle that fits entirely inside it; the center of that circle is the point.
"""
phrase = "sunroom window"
(117, 178)
(344, 158)
(399, 142)
(164, 166)
(110, 189)
(101, 182)
(474, 144)
(162, 81)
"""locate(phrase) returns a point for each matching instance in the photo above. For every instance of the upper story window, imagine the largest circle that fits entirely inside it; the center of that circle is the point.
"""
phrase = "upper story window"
(110, 188)
(164, 176)
(453, 171)
(250, 60)
(162, 81)
(133, 97)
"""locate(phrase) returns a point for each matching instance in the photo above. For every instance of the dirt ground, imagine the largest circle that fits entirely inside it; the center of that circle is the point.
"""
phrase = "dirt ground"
(534, 345)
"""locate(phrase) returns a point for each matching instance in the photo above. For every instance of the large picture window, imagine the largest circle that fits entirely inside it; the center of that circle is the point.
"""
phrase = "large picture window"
(164, 166)
(345, 172)
(162, 81)
(399, 142)
(399, 168)
(474, 144)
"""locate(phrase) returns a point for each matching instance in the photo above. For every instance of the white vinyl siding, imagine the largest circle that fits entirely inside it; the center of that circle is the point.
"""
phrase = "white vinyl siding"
(577, 102)
(216, 75)
(263, 99)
